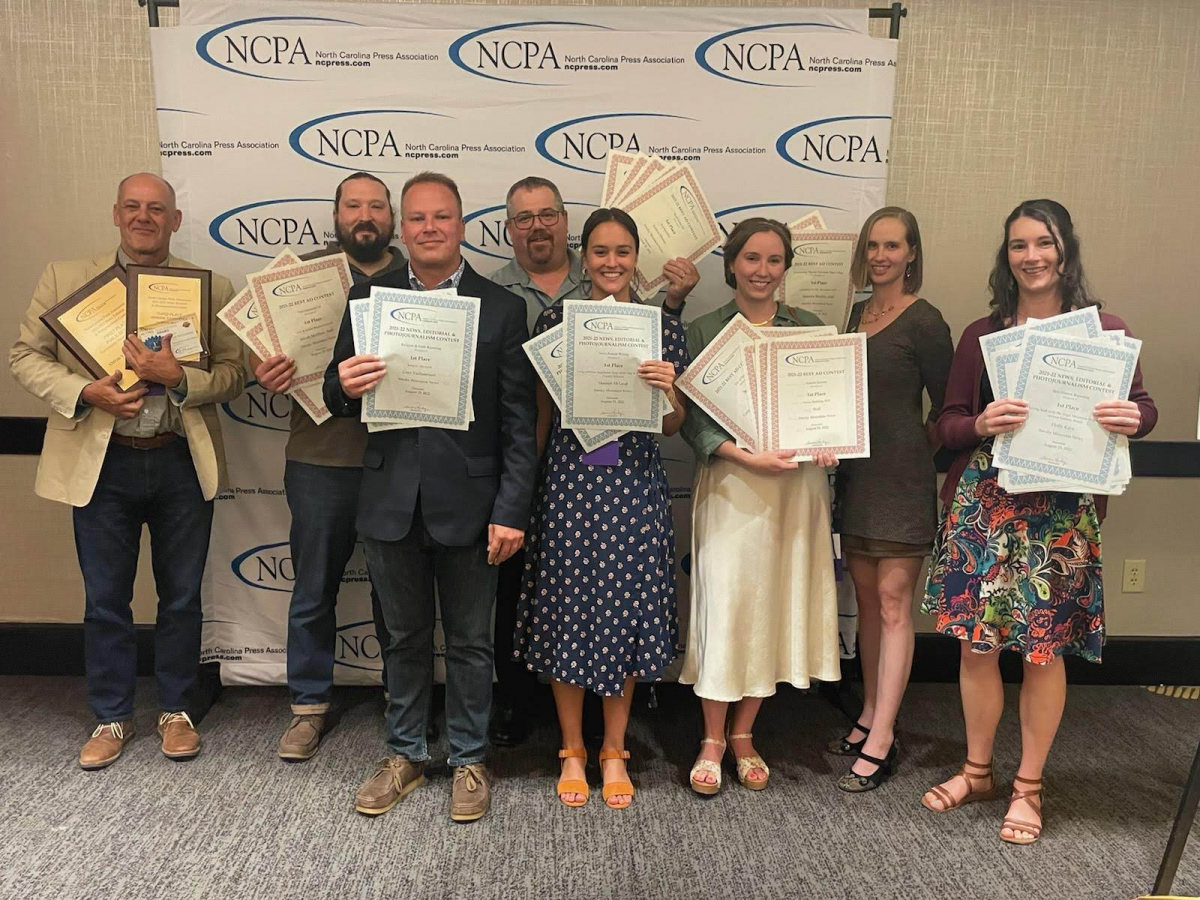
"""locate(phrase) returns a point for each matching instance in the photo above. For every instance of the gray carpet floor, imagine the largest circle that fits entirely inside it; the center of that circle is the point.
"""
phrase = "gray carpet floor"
(239, 823)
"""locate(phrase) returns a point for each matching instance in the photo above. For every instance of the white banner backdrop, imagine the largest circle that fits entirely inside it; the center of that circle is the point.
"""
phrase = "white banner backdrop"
(264, 107)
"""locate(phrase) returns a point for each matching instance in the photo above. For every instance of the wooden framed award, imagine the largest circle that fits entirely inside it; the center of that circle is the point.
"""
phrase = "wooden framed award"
(163, 299)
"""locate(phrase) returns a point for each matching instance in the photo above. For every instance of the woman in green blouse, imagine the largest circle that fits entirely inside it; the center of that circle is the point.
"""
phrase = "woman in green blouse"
(764, 602)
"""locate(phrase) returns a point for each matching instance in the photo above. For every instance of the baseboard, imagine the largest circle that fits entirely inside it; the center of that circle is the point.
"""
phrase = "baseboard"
(40, 649)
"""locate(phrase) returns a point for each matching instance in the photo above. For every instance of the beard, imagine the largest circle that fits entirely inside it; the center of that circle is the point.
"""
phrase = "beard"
(544, 252)
(365, 243)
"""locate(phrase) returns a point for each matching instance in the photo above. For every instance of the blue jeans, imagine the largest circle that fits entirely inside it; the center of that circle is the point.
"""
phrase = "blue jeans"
(159, 489)
(404, 571)
(323, 501)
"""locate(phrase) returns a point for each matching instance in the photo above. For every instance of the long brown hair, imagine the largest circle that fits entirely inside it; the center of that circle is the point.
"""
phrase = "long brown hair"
(1002, 283)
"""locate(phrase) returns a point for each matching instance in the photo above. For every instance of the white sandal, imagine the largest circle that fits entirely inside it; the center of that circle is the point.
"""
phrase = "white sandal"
(709, 767)
(746, 763)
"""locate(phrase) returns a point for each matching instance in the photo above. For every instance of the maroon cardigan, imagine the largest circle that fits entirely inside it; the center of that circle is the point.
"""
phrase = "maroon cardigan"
(956, 425)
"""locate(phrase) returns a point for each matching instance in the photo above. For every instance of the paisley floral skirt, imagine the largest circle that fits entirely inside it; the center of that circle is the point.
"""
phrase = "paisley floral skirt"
(1017, 571)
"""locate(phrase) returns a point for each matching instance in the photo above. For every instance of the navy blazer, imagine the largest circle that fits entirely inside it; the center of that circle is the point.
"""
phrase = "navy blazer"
(465, 479)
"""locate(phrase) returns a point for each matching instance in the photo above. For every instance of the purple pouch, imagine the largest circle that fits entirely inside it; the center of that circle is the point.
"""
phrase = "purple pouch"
(608, 455)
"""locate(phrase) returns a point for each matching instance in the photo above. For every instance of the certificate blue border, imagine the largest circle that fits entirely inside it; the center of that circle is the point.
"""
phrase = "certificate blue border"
(383, 296)
(533, 348)
(1041, 340)
(572, 310)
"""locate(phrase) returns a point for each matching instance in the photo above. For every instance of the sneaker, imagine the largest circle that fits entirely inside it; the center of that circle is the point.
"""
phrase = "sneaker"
(105, 744)
(471, 797)
(393, 780)
(179, 737)
(302, 737)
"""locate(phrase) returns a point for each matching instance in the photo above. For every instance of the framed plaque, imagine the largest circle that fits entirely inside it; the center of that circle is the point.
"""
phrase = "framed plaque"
(158, 296)
(90, 323)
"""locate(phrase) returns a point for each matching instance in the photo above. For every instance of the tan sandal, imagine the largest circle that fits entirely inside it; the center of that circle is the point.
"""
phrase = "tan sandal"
(745, 764)
(616, 788)
(572, 785)
(972, 795)
(1017, 824)
(709, 766)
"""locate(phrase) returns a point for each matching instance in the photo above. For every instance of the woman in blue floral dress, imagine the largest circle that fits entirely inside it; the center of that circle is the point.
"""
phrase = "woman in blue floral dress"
(598, 607)
(1018, 571)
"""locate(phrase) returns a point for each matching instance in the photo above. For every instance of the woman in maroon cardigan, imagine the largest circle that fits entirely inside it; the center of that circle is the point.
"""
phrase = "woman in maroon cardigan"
(1018, 571)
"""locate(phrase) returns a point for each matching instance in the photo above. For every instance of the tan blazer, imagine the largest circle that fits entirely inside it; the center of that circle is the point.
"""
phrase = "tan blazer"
(75, 447)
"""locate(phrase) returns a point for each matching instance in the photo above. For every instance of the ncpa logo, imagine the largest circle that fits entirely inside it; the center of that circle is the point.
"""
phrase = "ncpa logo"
(370, 140)
(267, 567)
(843, 146)
(357, 646)
(269, 47)
(517, 53)
(760, 54)
(265, 227)
(259, 408)
(583, 144)
(487, 236)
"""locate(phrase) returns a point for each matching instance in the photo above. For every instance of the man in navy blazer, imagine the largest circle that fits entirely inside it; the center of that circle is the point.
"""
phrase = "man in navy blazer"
(442, 505)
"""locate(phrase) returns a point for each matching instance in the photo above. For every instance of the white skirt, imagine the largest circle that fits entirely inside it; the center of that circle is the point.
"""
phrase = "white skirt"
(764, 598)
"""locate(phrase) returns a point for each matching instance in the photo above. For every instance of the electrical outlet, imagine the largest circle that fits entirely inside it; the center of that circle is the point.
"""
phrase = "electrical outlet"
(1134, 581)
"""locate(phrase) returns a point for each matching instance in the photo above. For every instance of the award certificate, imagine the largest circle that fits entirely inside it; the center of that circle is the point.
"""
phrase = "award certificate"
(816, 396)
(547, 355)
(605, 342)
(1062, 379)
(91, 324)
(717, 381)
(674, 219)
(156, 295)
(240, 314)
(428, 341)
(819, 278)
(1077, 323)
(302, 308)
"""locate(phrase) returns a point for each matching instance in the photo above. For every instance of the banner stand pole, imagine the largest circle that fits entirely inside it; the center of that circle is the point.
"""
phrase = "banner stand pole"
(895, 12)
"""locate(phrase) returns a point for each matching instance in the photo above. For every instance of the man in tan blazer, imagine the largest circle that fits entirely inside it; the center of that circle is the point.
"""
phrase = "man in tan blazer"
(126, 459)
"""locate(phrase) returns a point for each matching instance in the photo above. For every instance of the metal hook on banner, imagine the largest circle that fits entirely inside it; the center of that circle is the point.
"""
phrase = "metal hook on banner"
(895, 12)
(153, 6)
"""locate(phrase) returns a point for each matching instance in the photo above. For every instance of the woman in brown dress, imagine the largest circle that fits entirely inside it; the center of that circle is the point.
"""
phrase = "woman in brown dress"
(887, 503)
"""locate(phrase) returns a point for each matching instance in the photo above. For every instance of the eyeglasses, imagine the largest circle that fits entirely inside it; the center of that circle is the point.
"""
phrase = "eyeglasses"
(524, 221)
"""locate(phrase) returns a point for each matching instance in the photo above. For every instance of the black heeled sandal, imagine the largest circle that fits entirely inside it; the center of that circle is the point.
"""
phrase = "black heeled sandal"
(843, 746)
(853, 783)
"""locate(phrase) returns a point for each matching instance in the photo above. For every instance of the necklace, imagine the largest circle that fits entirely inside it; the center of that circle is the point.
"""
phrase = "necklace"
(766, 321)
(871, 316)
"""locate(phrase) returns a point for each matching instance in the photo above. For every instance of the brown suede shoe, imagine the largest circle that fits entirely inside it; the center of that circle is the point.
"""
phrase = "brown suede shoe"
(302, 737)
(395, 777)
(471, 797)
(179, 737)
(105, 744)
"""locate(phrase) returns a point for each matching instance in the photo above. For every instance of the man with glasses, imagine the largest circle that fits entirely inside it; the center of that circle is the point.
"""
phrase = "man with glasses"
(544, 271)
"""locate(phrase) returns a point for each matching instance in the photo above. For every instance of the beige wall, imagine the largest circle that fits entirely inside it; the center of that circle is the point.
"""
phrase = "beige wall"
(1093, 102)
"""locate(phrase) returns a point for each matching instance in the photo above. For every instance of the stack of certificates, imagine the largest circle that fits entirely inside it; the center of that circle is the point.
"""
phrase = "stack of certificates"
(589, 365)
(673, 216)
(428, 340)
(819, 278)
(294, 308)
(802, 389)
(1062, 367)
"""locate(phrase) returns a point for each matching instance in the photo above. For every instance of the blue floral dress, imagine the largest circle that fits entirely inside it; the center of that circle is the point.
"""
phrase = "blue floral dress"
(598, 602)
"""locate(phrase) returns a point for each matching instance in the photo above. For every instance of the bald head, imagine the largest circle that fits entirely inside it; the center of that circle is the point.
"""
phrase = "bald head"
(140, 178)
(146, 214)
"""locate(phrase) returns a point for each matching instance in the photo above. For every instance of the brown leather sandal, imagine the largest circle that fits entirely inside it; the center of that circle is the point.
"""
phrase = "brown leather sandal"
(572, 785)
(1032, 796)
(616, 788)
(972, 795)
